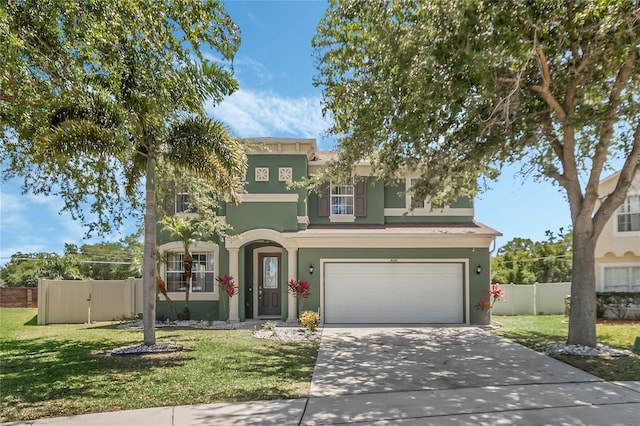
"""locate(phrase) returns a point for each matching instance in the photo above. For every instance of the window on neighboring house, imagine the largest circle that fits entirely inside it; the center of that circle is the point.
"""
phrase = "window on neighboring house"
(341, 199)
(629, 214)
(413, 202)
(622, 278)
(202, 276)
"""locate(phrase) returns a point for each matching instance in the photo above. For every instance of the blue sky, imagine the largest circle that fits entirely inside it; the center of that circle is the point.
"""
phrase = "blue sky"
(275, 67)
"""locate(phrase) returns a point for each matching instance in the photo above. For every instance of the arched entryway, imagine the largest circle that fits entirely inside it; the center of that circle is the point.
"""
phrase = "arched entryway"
(268, 260)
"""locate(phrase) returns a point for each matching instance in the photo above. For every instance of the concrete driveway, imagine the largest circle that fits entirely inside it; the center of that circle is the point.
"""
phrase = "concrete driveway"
(454, 375)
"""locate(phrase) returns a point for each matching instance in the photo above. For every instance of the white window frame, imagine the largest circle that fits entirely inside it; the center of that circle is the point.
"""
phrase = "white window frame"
(628, 266)
(627, 208)
(181, 204)
(336, 216)
(410, 182)
(198, 247)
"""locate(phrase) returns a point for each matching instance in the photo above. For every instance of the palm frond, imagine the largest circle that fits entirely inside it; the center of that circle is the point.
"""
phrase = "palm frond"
(205, 148)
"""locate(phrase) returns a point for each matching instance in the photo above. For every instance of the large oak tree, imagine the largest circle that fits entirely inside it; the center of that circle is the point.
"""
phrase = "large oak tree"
(95, 94)
(457, 89)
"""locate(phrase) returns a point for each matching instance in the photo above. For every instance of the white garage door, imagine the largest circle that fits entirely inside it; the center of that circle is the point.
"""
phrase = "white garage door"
(393, 293)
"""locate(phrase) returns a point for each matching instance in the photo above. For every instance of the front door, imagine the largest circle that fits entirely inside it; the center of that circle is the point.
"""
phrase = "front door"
(269, 284)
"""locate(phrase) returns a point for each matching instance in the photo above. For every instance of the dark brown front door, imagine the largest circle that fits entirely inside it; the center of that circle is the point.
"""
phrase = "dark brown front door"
(269, 284)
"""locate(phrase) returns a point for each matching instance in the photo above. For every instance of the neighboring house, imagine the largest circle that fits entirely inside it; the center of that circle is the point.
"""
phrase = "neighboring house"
(368, 256)
(618, 247)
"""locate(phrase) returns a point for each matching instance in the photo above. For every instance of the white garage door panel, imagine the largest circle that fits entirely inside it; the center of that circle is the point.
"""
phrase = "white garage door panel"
(393, 293)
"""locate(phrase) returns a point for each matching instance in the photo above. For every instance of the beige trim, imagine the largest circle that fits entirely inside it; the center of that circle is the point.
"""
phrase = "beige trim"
(237, 241)
(234, 272)
(303, 219)
(281, 146)
(392, 241)
(269, 198)
(466, 274)
(342, 218)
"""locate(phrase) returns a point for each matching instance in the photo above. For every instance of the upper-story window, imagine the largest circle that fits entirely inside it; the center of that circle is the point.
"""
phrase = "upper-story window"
(202, 272)
(182, 203)
(343, 202)
(629, 214)
(414, 202)
(341, 199)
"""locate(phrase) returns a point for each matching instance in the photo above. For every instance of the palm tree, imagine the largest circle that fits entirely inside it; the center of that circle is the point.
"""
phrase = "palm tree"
(193, 143)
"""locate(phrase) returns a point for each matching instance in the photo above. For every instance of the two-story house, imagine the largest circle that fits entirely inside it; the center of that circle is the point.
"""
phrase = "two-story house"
(618, 248)
(369, 257)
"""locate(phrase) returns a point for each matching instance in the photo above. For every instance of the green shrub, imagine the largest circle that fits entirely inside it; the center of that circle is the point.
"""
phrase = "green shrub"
(309, 320)
(270, 326)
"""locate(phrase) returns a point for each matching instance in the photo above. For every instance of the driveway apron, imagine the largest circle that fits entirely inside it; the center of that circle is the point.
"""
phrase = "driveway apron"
(454, 375)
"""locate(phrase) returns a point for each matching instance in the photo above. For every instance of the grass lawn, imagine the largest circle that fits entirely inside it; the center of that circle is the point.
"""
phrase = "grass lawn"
(58, 370)
(538, 331)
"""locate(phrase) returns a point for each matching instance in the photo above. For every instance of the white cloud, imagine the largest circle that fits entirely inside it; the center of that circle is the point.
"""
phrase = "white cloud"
(254, 113)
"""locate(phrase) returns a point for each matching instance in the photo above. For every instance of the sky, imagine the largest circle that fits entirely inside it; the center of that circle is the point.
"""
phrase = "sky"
(275, 67)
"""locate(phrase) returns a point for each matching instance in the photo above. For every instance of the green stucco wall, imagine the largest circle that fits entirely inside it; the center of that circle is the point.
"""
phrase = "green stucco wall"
(298, 163)
(279, 216)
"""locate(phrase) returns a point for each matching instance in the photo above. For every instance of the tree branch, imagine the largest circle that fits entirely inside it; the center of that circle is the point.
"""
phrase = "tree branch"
(627, 173)
(601, 148)
(543, 89)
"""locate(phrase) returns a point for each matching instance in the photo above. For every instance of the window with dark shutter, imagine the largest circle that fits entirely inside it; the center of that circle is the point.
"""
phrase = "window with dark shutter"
(324, 200)
(361, 198)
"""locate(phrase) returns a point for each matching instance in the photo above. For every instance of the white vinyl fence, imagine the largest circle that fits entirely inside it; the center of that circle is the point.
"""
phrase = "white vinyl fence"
(532, 299)
(77, 302)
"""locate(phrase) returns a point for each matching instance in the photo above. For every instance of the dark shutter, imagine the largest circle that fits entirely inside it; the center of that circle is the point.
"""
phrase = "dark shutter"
(324, 200)
(360, 198)
(170, 199)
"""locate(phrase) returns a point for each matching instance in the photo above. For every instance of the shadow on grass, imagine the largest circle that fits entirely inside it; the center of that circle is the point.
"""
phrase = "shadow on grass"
(45, 369)
(533, 340)
(32, 321)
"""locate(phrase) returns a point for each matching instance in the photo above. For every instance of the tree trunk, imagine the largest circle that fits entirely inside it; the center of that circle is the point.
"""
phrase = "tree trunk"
(187, 264)
(582, 316)
(149, 264)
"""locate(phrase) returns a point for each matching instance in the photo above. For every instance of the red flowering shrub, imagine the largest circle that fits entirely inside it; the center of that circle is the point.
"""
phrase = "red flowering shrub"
(300, 290)
(483, 305)
(496, 294)
(227, 284)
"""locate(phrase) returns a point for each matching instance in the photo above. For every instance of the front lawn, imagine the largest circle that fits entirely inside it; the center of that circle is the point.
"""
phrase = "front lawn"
(538, 331)
(58, 370)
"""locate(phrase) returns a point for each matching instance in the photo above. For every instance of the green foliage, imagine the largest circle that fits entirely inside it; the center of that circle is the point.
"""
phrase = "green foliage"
(522, 261)
(123, 89)
(309, 320)
(24, 269)
(101, 261)
(270, 326)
